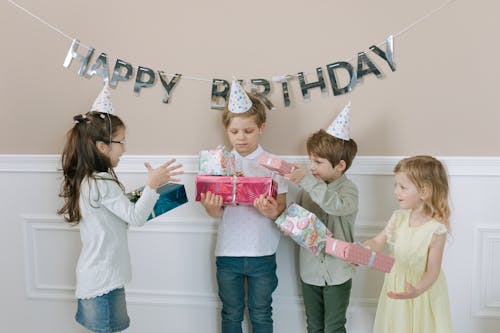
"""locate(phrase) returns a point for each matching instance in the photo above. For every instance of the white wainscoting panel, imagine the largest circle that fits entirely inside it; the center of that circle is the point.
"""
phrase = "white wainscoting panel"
(173, 287)
(487, 272)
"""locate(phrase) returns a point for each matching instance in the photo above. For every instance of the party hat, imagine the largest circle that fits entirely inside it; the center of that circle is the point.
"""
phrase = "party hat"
(340, 127)
(239, 101)
(103, 102)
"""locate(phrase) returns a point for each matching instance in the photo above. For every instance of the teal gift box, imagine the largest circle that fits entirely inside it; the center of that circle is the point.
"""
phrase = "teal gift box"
(171, 195)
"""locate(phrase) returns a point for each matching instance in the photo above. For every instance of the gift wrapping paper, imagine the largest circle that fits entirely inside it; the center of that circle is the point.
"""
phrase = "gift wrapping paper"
(359, 255)
(172, 195)
(216, 162)
(303, 227)
(276, 164)
(236, 190)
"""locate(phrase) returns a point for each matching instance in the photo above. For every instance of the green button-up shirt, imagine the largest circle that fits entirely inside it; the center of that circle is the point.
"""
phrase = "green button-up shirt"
(336, 205)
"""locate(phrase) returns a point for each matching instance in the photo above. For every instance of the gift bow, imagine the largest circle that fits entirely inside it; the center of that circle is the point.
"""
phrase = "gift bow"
(134, 195)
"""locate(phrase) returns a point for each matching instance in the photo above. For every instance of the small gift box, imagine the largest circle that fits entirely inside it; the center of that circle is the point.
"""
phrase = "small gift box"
(303, 227)
(216, 162)
(236, 190)
(171, 196)
(359, 255)
(276, 164)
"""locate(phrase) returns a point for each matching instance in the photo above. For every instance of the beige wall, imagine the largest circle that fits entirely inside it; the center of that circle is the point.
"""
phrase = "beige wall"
(442, 100)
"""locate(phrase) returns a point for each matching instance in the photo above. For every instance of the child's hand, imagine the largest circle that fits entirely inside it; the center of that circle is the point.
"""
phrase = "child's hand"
(267, 206)
(212, 203)
(211, 200)
(297, 175)
(162, 174)
(410, 292)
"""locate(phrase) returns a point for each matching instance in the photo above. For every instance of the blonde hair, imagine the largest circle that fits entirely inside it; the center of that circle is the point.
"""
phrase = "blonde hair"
(429, 173)
(258, 110)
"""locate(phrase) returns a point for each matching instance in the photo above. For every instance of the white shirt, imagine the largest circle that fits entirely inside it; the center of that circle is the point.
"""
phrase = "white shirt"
(244, 231)
(104, 262)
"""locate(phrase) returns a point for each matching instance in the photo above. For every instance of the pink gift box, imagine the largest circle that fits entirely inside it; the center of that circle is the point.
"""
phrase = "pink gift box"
(358, 255)
(236, 190)
(276, 164)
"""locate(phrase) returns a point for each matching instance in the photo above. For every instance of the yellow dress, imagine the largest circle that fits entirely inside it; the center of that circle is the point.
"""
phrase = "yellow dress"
(427, 313)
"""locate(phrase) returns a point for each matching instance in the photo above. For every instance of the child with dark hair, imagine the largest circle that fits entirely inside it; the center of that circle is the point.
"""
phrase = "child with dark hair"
(94, 198)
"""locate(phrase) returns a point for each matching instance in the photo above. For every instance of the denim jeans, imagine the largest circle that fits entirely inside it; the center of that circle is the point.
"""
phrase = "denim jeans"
(326, 307)
(104, 314)
(260, 275)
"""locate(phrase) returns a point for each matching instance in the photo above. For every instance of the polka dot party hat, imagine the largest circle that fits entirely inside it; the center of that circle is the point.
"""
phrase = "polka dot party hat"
(103, 102)
(340, 127)
(239, 101)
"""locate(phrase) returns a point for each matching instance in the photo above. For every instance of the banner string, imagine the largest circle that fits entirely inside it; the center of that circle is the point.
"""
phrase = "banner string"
(46, 23)
(401, 32)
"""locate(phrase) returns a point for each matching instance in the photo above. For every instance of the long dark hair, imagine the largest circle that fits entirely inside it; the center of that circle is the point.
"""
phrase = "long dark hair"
(81, 158)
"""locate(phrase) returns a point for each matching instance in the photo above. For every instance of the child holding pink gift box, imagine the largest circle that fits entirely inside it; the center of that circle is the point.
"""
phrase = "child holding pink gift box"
(247, 239)
(414, 297)
(333, 198)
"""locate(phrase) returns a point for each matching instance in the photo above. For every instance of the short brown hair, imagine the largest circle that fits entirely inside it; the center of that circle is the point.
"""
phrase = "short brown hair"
(258, 110)
(324, 145)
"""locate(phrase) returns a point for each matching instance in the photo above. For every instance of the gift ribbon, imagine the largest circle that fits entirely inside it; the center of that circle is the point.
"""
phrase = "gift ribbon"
(234, 190)
(334, 246)
(372, 255)
(372, 259)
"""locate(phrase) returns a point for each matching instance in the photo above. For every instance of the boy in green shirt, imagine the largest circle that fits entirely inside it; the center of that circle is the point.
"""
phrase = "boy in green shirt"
(328, 193)
(333, 198)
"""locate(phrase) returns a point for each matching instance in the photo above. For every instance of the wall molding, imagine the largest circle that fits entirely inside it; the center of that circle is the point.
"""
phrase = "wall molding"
(36, 289)
(486, 254)
(362, 165)
(50, 246)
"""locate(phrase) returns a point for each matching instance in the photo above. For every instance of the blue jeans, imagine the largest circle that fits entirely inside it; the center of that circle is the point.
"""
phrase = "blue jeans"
(260, 276)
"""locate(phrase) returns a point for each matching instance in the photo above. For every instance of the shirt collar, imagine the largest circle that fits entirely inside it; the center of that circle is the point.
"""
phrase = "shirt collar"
(337, 181)
(253, 155)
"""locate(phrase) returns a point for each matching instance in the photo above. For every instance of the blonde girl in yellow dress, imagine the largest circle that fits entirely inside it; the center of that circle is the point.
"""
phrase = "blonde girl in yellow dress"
(414, 297)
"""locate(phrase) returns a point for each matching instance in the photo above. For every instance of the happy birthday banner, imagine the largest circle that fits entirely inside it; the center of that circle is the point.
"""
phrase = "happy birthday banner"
(146, 77)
